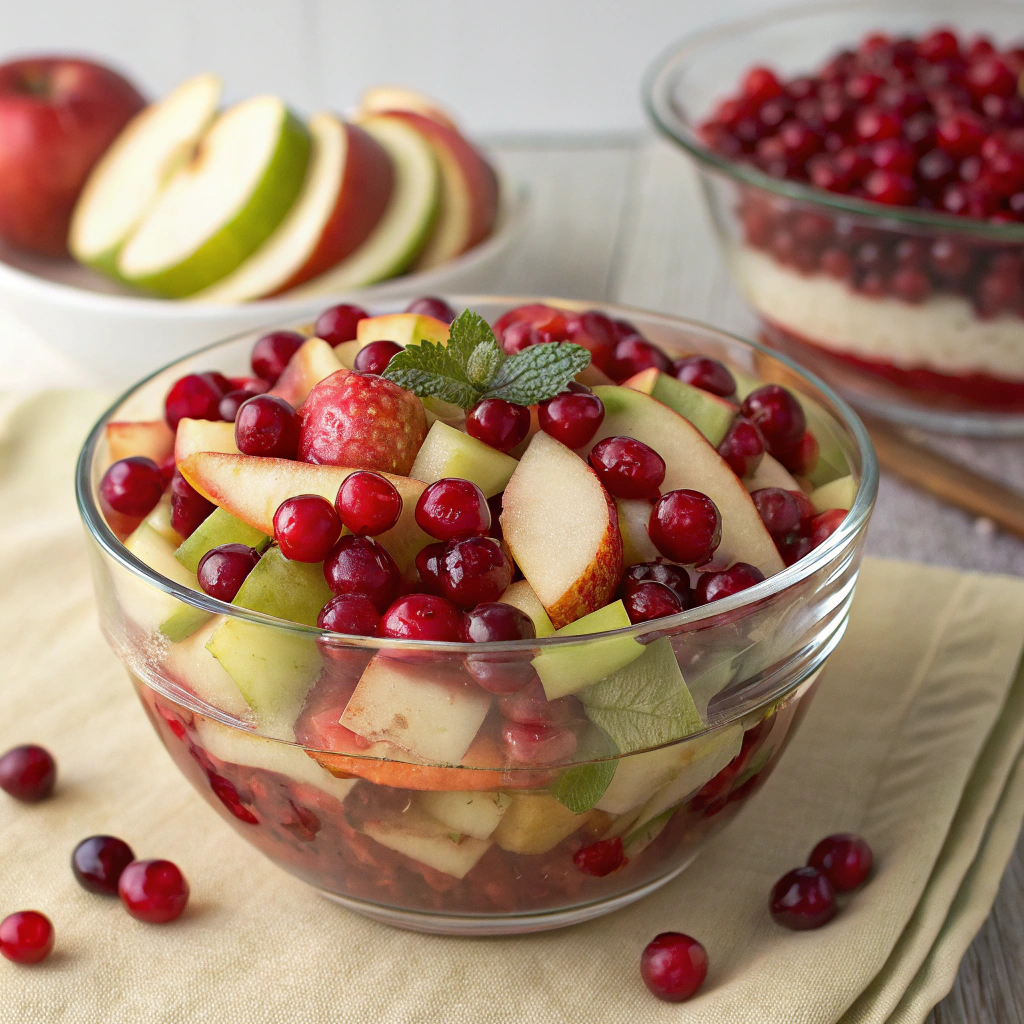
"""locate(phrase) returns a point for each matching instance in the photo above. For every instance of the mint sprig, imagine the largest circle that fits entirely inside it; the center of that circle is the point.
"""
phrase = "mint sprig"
(582, 785)
(473, 366)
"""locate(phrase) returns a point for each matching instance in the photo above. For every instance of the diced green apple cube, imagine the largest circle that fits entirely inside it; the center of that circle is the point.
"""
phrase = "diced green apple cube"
(449, 452)
(190, 664)
(535, 822)
(220, 527)
(468, 813)
(837, 494)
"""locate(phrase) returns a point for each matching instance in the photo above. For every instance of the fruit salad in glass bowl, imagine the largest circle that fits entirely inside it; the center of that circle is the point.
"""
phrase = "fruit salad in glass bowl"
(482, 623)
(864, 166)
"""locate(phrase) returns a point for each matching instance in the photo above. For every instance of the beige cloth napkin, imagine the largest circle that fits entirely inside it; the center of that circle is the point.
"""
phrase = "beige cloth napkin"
(913, 739)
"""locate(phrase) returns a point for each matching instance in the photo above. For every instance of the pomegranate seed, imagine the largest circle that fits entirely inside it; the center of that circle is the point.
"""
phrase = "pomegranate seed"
(28, 773)
(743, 446)
(686, 526)
(431, 305)
(453, 509)
(473, 571)
(706, 374)
(188, 507)
(222, 570)
(428, 565)
(844, 859)
(648, 600)
(803, 899)
(530, 706)
(777, 414)
(715, 586)
(498, 423)
(271, 353)
(26, 937)
(97, 863)
(425, 617)
(633, 354)
(825, 524)
(359, 565)
(374, 358)
(939, 45)
(538, 744)
(675, 577)
(306, 527)
(761, 85)
(368, 504)
(600, 858)
(673, 966)
(349, 613)
(499, 623)
(338, 324)
(571, 417)
(132, 486)
(267, 426)
(778, 509)
(154, 891)
(628, 468)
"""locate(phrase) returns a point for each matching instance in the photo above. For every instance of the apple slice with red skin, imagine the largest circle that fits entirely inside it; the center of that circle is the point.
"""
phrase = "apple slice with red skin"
(313, 361)
(203, 436)
(151, 439)
(381, 99)
(563, 530)
(401, 328)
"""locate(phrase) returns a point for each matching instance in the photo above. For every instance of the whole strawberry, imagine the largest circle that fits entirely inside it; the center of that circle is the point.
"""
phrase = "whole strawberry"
(362, 421)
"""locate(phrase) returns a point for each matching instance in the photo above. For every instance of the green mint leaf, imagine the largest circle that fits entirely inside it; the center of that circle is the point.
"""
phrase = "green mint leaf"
(581, 786)
(470, 331)
(538, 372)
(483, 363)
(430, 371)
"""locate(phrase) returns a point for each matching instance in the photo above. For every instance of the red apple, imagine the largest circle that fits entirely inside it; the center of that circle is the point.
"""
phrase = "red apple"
(57, 117)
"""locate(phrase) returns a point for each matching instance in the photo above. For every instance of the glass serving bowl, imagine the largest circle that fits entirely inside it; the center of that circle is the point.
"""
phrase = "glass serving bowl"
(925, 357)
(456, 839)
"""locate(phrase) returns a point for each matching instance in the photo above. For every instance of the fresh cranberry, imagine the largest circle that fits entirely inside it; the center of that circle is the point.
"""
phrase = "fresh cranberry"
(872, 124)
(453, 509)
(673, 966)
(229, 405)
(154, 891)
(538, 744)
(960, 134)
(196, 397)
(844, 859)
(890, 187)
(600, 858)
(359, 565)
(132, 486)
(428, 566)
(98, 862)
(743, 446)
(188, 507)
(778, 509)
(777, 414)
(268, 426)
(793, 547)
(715, 586)
(706, 374)
(939, 45)
(803, 899)
(271, 353)
(950, 259)
(571, 417)
(222, 570)
(306, 527)
(685, 526)
(339, 323)
(648, 600)
(26, 937)
(374, 358)
(249, 385)
(498, 423)
(349, 613)
(633, 354)
(596, 333)
(28, 773)
(431, 305)
(499, 623)
(628, 468)
(675, 577)
(475, 570)
(760, 85)
(825, 524)
(531, 706)
(368, 504)
(424, 617)
(990, 77)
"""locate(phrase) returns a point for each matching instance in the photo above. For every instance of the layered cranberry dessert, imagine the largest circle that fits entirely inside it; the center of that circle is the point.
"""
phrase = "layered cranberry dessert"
(917, 126)
(436, 658)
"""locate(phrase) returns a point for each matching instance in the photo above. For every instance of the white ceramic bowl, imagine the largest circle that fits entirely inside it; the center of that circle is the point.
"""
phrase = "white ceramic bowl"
(112, 337)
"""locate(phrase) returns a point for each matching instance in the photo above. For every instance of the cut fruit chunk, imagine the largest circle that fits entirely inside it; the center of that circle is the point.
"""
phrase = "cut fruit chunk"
(571, 668)
(837, 494)
(221, 206)
(401, 328)
(403, 230)
(770, 473)
(426, 708)
(190, 664)
(562, 529)
(160, 520)
(128, 178)
(313, 361)
(449, 452)
(203, 436)
(293, 591)
(468, 813)
(220, 527)
(691, 463)
(522, 596)
(637, 546)
(711, 415)
(534, 823)
(380, 99)
(152, 440)
(348, 186)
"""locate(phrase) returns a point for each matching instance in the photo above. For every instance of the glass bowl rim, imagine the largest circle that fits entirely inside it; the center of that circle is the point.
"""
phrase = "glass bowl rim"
(704, 615)
(657, 97)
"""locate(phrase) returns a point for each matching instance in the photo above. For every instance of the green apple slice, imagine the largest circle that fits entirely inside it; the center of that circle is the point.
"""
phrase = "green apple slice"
(407, 222)
(770, 473)
(219, 208)
(449, 452)
(220, 527)
(127, 180)
(711, 415)
(475, 814)
(837, 494)
(522, 596)
(190, 664)
(535, 823)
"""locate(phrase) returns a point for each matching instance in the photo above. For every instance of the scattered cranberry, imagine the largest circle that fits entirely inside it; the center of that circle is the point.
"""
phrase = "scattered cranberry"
(777, 414)
(803, 899)
(628, 468)
(685, 526)
(475, 570)
(98, 862)
(154, 891)
(596, 333)
(431, 305)
(424, 617)
(229, 405)
(647, 601)
(742, 447)
(538, 744)
(714, 586)
(844, 859)
(359, 565)
(349, 613)
(428, 566)
(794, 547)
(26, 937)
(196, 396)
(600, 858)
(268, 426)
(633, 354)
(706, 374)
(453, 509)
(338, 324)
(498, 423)
(801, 458)
(825, 524)
(188, 507)
(571, 417)
(222, 570)
(779, 510)
(368, 504)
(530, 706)
(374, 358)
(675, 577)
(132, 486)
(306, 527)
(673, 966)
(499, 623)
(271, 353)
(28, 773)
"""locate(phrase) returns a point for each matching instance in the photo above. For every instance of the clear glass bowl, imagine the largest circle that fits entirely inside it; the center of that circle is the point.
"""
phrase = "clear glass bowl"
(455, 838)
(932, 361)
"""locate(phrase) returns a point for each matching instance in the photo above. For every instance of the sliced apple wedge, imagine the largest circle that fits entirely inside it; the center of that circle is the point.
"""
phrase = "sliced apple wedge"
(152, 440)
(711, 415)
(203, 436)
(535, 823)
(837, 494)
(380, 99)
(770, 473)
(691, 463)
(469, 813)
(563, 530)
(449, 452)
(401, 328)
(191, 665)
(348, 186)
(126, 181)
(637, 546)
(522, 596)
(312, 362)
(223, 204)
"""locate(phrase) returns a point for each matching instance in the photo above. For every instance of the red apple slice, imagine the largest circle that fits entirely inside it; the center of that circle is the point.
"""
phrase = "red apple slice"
(380, 99)
(563, 530)
(347, 188)
(312, 362)
(203, 436)
(152, 440)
